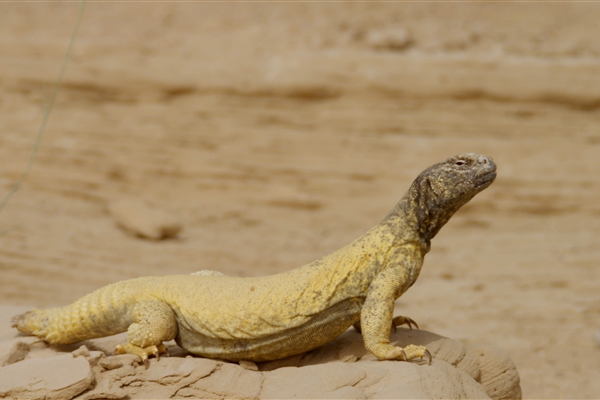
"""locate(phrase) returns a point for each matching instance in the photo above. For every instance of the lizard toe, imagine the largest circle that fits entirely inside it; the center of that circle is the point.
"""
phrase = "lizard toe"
(428, 356)
(142, 352)
(402, 320)
(413, 351)
(156, 351)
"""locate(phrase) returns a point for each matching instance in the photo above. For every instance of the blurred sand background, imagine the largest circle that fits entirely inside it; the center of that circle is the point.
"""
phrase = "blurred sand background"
(279, 132)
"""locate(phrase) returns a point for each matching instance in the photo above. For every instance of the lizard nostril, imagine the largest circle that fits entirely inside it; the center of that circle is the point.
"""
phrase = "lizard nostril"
(483, 160)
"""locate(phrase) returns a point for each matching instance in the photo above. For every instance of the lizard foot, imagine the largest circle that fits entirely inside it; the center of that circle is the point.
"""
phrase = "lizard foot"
(402, 320)
(412, 351)
(142, 352)
(391, 352)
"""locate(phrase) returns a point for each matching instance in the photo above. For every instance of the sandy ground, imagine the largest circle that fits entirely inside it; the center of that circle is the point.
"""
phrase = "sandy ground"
(279, 132)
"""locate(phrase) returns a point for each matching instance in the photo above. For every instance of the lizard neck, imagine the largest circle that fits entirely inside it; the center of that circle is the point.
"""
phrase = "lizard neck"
(404, 225)
(418, 214)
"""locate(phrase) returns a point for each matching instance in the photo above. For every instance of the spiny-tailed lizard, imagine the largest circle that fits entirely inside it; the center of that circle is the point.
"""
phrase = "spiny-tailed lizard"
(276, 316)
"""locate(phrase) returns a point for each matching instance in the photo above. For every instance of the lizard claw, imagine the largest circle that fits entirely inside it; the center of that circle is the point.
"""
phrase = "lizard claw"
(142, 352)
(411, 321)
(428, 356)
(412, 351)
(161, 349)
(154, 352)
(401, 320)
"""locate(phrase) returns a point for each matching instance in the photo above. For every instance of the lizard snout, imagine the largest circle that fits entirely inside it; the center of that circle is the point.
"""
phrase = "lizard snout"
(485, 165)
(485, 172)
(487, 161)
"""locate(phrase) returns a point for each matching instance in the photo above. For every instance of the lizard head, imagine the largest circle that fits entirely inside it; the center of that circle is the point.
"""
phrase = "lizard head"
(440, 190)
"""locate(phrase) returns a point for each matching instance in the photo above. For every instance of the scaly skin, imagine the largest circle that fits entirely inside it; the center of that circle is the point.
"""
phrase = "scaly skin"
(276, 316)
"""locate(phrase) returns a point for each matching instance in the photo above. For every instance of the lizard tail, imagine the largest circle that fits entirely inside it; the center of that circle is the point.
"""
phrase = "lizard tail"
(34, 322)
(101, 313)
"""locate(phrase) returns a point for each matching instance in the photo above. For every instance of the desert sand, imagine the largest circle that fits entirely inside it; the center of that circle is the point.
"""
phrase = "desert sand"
(275, 133)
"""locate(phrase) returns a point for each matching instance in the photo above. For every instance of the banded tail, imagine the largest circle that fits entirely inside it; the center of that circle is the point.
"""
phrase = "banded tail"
(101, 313)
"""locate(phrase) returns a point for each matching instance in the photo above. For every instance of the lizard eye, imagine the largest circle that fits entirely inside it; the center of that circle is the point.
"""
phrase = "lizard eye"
(460, 162)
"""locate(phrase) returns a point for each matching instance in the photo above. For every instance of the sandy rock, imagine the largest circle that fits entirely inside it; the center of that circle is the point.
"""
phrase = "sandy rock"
(499, 374)
(469, 363)
(142, 220)
(313, 375)
(112, 374)
(42, 349)
(106, 344)
(82, 351)
(453, 374)
(119, 361)
(314, 381)
(409, 381)
(446, 382)
(449, 350)
(372, 380)
(60, 377)
(16, 349)
(339, 369)
(162, 379)
(349, 347)
(453, 362)
(249, 365)
(93, 357)
(227, 381)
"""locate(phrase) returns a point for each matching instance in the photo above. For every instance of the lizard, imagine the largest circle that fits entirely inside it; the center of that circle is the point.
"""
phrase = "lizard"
(276, 316)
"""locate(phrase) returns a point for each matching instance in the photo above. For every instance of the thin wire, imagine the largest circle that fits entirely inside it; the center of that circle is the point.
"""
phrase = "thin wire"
(47, 111)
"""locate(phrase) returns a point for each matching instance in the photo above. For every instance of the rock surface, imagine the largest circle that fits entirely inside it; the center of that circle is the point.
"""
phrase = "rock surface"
(15, 349)
(340, 369)
(59, 377)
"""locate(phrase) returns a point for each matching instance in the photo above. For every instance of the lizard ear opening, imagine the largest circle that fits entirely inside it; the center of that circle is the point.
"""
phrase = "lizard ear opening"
(423, 197)
(428, 194)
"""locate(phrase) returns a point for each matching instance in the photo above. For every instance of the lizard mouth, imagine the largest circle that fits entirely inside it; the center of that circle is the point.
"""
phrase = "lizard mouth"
(485, 180)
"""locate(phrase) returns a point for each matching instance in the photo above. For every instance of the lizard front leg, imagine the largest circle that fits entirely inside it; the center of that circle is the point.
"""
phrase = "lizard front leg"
(396, 321)
(153, 322)
(376, 317)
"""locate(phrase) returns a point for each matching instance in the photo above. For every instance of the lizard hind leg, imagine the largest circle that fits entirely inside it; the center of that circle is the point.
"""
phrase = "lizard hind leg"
(153, 322)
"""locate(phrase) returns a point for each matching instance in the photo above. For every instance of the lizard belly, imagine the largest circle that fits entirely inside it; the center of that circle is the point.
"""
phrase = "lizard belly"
(320, 329)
